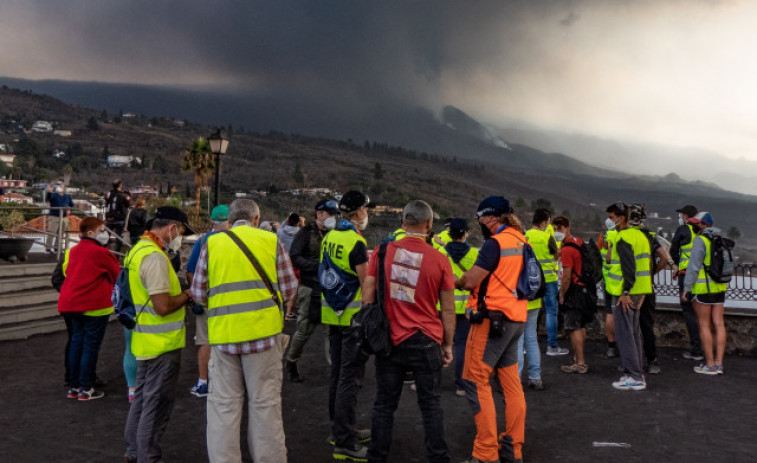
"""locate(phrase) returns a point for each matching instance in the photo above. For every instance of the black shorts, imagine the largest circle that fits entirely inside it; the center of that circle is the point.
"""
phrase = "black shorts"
(710, 298)
(573, 319)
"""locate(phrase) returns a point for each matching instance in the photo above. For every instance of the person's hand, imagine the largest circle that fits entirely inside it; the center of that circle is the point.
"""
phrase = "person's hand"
(561, 298)
(625, 302)
(685, 296)
(446, 356)
(641, 301)
(188, 293)
(675, 272)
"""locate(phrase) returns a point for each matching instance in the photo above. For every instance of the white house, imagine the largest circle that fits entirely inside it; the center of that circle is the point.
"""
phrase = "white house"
(62, 133)
(17, 198)
(120, 160)
(42, 126)
(7, 159)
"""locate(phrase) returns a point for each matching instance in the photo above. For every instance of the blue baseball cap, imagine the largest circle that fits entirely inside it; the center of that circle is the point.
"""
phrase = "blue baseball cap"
(703, 218)
(493, 205)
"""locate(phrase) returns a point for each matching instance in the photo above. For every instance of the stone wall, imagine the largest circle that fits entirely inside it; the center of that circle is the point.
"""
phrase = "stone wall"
(670, 331)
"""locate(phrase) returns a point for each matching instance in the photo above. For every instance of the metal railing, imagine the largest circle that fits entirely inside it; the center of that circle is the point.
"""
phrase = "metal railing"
(742, 287)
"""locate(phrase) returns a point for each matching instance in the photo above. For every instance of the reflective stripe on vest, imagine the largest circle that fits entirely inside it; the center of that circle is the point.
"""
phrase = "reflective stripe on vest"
(153, 335)
(539, 241)
(64, 265)
(704, 284)
(609, 240)
(339, 244)
(504, 279)
(683, 260)
(240, 307)
(461, 296)
(642, 257)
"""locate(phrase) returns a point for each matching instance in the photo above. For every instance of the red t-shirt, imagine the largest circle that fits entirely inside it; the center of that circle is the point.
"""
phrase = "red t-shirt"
(571, 257)
(415, 273)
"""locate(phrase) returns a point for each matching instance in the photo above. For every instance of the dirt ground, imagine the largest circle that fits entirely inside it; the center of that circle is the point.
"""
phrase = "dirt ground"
(682, 416)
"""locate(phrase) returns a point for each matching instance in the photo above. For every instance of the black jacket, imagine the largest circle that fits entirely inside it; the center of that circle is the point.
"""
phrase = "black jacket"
(305, 253)
(116, 207)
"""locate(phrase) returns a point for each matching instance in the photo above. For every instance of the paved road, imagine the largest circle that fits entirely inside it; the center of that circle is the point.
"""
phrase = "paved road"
(682, 417)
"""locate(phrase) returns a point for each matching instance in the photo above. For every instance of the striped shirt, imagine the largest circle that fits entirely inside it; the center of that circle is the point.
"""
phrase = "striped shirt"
(287, 282)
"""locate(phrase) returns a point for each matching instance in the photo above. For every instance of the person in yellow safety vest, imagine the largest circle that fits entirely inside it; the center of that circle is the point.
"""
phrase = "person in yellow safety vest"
(461, 256)
(708, 296)
(440, 240)
(629, 282)
(606, 241)
(348, 250)
(159, 334)
(545, 248)
(659, 261)
(497, 319)
(244, 277)
(680, 250)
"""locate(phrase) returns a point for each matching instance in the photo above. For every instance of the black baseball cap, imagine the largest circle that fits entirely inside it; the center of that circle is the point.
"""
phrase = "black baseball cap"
(329, 205)
(171, 213)
(458, 224)
(689, 210)
(354, 200)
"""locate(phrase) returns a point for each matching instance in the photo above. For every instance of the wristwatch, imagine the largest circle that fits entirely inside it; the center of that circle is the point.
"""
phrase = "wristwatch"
(625, 293)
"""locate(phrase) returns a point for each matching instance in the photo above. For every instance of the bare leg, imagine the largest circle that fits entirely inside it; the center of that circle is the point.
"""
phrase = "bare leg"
(704, 315)
(203, 357)
(719, 324)
(577, 343)
(610, 327)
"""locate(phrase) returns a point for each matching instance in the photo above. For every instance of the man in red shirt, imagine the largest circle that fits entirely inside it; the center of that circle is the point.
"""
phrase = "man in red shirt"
(570, 296)
(416, 277)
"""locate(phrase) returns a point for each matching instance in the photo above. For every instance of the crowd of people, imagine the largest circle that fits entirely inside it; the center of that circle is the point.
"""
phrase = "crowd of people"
(445, 302)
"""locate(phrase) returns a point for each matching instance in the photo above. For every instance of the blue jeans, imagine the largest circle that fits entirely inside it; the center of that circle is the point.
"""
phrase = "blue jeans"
(461, 337)
(87, 334)
(422, 356)
(533, 355)
(550, 309)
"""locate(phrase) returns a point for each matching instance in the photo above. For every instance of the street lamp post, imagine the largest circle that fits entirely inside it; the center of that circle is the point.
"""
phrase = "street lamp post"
(218, 146)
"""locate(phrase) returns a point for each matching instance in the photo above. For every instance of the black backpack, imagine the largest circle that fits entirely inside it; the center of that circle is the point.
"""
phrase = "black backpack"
(591, 263)
(721, 259)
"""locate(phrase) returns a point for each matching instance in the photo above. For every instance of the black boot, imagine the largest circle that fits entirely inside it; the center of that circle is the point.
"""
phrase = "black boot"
(291, 369)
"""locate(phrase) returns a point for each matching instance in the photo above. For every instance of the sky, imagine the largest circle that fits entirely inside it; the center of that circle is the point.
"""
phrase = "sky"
(669, 72)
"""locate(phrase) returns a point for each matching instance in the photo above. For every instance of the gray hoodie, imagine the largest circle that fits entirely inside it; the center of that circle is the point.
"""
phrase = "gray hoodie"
(286, 234)
(696, 260)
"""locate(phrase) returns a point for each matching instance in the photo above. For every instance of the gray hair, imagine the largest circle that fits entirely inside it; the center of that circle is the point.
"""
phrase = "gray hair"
(243, 209)
(417, 212)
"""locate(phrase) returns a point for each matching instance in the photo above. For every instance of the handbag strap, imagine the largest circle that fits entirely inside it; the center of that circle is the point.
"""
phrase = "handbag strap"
(381, 275)
(256, 264)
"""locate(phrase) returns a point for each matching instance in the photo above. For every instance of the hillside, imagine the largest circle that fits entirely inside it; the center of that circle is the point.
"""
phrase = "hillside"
(390, 175)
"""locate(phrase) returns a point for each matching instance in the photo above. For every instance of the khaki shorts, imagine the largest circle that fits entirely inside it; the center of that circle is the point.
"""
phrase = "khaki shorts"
(201, 329)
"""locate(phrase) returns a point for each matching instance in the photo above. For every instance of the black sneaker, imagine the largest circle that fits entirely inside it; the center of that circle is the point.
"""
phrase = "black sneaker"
(362, 435)
(91, 394)
(292, 373)
(359, 453)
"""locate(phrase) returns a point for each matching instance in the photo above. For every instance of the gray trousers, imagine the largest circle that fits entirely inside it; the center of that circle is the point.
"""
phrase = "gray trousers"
(305, 327)
(260, 376)
(151, 408)
(628, 339)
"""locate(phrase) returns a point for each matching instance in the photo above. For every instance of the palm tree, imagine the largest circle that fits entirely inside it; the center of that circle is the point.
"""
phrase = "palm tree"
(199, 159)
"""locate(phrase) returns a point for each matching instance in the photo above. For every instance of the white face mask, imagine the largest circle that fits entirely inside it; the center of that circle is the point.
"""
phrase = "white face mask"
(362, 224)
(103, 237)
(609, 224)
(330, 223)
(175, 244)
(559, 236)
(680, 220)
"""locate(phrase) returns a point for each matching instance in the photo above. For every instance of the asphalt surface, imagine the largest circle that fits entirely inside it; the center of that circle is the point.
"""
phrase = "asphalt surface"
(681, 417)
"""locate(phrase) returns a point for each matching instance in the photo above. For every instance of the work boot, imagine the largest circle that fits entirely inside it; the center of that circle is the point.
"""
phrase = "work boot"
(292, 373)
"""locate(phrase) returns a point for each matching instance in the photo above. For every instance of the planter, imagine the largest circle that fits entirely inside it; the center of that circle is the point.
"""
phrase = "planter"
(13, 249)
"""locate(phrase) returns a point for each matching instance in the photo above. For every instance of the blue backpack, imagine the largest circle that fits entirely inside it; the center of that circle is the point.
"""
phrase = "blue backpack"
(337, 286)
(125, 310)
(531, 283)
